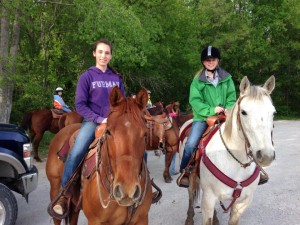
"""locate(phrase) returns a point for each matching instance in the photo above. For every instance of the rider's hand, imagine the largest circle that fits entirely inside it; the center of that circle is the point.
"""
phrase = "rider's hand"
(226, 112)
(219, 110)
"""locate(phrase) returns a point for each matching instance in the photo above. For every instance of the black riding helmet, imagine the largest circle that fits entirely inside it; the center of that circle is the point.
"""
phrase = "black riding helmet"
(210, 52)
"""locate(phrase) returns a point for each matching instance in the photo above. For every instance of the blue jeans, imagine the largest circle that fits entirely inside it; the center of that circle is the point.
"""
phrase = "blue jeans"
(84, 138)
(198, 128)
(146, 156)
(172, 169)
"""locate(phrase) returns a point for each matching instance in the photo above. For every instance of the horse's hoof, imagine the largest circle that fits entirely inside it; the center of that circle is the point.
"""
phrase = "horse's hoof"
(168, 179)
(38, 159)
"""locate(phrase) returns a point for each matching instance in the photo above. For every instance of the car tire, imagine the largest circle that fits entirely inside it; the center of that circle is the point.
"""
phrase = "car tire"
(8, 206)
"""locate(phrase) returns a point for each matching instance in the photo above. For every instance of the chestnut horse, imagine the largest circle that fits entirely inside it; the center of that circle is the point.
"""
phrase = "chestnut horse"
(41, 120)
(119, 190)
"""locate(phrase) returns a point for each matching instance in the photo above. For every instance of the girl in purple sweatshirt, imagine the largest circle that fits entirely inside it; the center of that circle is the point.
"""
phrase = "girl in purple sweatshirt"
(92, 103)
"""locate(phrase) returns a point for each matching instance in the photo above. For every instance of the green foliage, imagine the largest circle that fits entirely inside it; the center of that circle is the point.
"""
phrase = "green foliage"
(156, 44)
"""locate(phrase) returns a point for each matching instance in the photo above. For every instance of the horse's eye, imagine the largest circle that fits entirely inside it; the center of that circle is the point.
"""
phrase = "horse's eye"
(108, 132)
(244, 113)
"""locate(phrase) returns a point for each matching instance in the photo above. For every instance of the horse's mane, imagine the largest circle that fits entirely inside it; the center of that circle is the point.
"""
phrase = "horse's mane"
(254, 92)
(129, 107)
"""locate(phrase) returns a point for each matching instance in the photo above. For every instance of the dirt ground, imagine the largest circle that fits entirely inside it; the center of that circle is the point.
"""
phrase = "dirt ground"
(275, 203)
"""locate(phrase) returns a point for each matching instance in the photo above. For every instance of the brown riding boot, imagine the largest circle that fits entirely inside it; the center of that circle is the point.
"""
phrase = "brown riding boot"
(183, 179)
(60, 206)
(263, 178)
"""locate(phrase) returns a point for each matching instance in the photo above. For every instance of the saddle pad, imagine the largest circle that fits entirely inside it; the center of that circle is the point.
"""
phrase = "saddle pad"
(89, 164)
(64, 151)
(184, 128)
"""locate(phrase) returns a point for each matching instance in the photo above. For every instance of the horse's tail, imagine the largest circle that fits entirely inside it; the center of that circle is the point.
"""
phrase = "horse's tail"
(26, 121)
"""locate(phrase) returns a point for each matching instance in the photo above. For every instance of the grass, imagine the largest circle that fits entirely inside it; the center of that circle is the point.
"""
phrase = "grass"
(286, 118)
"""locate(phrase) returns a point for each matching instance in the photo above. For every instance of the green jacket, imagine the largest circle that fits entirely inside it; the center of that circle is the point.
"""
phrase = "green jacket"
(204, 96)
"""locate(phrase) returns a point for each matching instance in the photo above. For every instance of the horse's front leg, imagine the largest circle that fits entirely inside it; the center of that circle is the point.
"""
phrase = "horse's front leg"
(168, 160)
(237, 209)
(208, 209)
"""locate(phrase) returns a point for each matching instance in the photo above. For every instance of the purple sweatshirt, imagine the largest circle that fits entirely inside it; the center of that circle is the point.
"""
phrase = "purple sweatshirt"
(92, 93)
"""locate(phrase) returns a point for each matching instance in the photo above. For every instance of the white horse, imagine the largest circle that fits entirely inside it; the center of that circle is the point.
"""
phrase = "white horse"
(229, 168)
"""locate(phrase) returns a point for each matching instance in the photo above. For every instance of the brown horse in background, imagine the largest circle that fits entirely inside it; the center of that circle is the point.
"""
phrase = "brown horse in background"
(163, 135)
(41, 120)
(119, 190)
(169, 132)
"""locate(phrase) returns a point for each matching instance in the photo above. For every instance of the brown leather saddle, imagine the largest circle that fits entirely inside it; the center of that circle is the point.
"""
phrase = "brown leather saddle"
(89, 160)
(57, 113)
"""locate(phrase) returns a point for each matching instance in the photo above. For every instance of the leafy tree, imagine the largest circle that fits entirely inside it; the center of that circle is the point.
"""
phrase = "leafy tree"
(156, 45)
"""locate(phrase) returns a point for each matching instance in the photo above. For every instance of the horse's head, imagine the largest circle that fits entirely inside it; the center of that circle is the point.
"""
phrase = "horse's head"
(125, 136)
(174, 107)
(254, 114)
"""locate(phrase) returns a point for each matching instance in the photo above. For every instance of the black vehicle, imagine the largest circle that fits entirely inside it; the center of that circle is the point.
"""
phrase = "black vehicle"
(17, 172)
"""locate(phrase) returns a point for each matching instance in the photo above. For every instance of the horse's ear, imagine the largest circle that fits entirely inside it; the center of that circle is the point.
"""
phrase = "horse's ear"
(142, 98)
(244, 85)
(270, 84)
(115, 96)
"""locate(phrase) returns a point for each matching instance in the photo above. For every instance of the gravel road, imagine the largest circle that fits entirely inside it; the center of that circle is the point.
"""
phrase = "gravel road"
(275, 203)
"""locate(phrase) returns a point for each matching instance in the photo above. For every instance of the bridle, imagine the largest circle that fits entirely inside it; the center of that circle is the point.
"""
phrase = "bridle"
(247, 143)
(105, 181)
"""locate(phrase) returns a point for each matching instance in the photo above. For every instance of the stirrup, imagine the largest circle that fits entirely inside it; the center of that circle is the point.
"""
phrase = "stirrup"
(183, 179)
(51, 211)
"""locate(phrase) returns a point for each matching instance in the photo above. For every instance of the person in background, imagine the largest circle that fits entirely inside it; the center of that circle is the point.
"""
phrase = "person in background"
(58, 101)
(212, 91)
(149, 103)
(92, 103)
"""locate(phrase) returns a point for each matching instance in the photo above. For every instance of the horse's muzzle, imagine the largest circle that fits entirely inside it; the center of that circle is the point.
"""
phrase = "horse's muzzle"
(265, 159)
(126, 196)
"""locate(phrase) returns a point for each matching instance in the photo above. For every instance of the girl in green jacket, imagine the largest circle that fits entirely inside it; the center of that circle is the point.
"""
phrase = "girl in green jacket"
(212, 91)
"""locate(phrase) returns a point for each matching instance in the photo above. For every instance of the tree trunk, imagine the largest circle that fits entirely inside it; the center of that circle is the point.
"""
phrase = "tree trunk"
(7, 67)
(4, 94)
